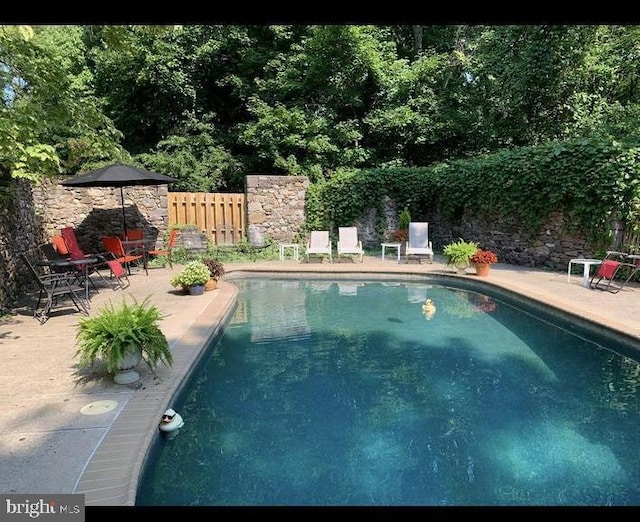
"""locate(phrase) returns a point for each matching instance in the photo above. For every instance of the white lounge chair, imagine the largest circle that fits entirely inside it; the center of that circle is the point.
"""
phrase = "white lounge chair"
(418, 243)
(348, 243)
(319, 244)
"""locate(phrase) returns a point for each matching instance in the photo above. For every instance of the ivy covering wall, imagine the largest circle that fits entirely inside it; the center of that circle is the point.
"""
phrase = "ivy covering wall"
(589, 181)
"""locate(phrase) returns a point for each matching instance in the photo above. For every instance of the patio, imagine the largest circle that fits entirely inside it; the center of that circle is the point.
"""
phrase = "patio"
(64, 436)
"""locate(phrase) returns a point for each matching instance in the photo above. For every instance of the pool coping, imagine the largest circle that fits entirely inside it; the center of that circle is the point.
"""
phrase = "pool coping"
(112, 474)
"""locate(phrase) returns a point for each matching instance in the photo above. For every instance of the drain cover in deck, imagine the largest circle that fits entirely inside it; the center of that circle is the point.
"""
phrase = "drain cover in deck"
(98, 407)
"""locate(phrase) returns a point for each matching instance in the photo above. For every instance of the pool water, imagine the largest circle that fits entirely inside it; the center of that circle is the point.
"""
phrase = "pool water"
(342, 393)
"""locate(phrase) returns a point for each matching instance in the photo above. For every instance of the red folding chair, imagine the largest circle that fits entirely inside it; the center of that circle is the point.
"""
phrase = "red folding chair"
(113, 244)
(614, 272)
(166, 252)
(134, 234)
(70, 242)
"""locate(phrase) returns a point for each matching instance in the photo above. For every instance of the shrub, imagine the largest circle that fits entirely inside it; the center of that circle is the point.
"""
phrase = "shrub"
(193, 274)
(484, 256)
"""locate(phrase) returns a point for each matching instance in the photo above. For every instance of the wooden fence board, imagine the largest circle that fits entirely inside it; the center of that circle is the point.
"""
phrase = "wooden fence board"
(221, 216)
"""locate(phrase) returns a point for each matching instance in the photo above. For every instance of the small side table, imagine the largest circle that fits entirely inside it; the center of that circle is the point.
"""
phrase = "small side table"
(391, 245)
(295, 248)
(588, 263)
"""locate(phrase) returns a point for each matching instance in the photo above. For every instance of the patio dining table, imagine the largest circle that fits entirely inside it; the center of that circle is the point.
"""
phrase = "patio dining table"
(139, 247)
(81, 265)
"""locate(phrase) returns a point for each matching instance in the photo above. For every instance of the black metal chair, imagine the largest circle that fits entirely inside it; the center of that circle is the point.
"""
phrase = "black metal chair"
(55, 286)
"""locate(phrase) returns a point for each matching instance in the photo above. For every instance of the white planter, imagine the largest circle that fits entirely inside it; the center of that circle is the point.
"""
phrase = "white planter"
(126, 373)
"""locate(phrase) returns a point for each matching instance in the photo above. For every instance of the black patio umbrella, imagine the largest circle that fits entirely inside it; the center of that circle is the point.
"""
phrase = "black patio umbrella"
(118, 175)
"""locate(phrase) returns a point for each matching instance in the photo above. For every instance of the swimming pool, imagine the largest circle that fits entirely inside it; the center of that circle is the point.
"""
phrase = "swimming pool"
(344, 392)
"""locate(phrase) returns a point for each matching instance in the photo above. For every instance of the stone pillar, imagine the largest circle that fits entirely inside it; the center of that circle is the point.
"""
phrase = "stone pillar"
(275, 207)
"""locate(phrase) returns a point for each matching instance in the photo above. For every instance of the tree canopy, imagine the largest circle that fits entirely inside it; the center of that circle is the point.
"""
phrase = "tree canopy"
(210, 103)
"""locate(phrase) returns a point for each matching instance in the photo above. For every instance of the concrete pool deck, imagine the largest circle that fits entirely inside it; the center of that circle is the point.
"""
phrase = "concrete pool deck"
(66, 434)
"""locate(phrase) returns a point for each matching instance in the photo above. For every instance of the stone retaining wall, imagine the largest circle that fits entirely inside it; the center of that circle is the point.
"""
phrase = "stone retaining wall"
(20, 233)
(551, 247)
(275, 210)
(97, 212)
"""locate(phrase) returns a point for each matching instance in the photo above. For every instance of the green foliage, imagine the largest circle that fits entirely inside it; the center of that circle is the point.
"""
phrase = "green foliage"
(584, 179)
(114, 332)
(459, 252)
(216, 268)
(50, 121)
(194, 273)
(195, 158)
(404, 219)
(243, 251)
(208, 103)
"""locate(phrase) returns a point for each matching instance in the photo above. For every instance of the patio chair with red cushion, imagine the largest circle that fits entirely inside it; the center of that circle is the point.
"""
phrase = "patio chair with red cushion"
(134, 234)
(170, 244)
(614, 272)
(60, 245)
(75, 252)
(113, 244)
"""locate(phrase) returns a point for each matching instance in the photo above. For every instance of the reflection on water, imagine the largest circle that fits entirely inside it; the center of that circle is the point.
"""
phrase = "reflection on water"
(341, 393)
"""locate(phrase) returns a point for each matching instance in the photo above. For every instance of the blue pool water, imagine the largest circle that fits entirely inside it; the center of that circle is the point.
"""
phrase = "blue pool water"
(341, 393)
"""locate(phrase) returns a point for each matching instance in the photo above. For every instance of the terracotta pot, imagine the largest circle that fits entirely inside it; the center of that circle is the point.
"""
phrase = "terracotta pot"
(210, 285)
(482, 269)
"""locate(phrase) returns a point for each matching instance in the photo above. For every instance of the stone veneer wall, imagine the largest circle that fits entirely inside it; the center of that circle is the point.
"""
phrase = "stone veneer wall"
(551, 247)
(97, 212)
(20, 233)
(275, 207)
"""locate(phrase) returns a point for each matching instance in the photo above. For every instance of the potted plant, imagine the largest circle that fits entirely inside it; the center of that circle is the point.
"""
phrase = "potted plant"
(483, 259)
(401, 234)
(216, 269)
(122, 336)
(193, 276)
(458, 254)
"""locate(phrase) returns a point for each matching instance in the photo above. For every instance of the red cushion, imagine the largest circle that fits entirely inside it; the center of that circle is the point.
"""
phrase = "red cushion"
(60, 245)
(75, 252)
(608, 269)
(116, 268)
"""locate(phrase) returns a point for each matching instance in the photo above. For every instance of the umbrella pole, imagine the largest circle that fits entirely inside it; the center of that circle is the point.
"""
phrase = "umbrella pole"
(124, 217)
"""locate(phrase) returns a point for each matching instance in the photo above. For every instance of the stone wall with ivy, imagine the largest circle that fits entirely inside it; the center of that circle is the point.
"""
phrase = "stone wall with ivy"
(551, 247)
(21, 232)
(536, 206)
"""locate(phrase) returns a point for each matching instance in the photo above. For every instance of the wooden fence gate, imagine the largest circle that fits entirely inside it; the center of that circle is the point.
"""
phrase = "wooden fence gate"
(220, 216)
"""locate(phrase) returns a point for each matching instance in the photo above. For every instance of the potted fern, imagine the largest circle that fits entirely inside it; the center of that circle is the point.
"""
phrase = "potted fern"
(122, 336)
(458, 254)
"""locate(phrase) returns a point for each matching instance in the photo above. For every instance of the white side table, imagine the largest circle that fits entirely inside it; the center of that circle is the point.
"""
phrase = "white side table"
(391, 245)
(293, 246)
(588, 263)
